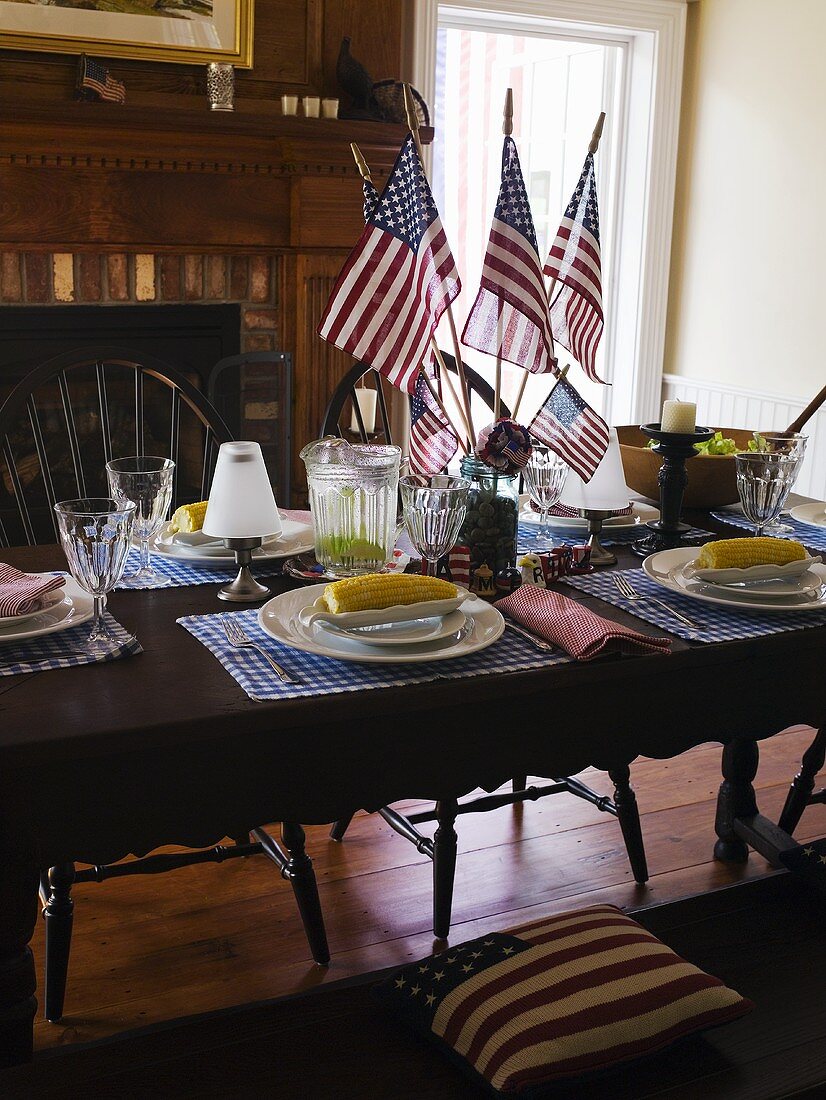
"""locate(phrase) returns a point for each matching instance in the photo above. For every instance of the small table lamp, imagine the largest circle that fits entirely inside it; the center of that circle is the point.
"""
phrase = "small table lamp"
(596, 499)
(241, 511)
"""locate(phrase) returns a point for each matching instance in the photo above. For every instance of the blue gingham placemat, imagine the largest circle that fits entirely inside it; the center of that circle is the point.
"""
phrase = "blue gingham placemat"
(326, 676)
(717, 623)
(528, 536)
(177, 572)
(63, 649)
(813, 537)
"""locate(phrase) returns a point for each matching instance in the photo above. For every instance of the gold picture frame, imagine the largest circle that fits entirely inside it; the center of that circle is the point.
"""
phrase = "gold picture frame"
(226, 35)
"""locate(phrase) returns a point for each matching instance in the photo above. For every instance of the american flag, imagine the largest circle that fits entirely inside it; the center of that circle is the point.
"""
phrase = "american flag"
(570, 427)
(397, 281)
(371, 198)
(433, 442)
(574, 261)
(94, 78)
(510, 315)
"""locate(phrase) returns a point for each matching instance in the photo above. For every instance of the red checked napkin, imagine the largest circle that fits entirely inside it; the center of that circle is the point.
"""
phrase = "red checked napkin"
(569, 513)
(573, 627)
(19, 592)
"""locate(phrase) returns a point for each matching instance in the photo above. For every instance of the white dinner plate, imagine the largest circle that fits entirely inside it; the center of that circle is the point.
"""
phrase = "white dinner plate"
(667, 568)
(754, 574)
(279, 618)
(398, 613)
(410, 632)
(640, 513)
(296, 538)
(813, 514)
(47, 603)
(770, 589)
(76, 607)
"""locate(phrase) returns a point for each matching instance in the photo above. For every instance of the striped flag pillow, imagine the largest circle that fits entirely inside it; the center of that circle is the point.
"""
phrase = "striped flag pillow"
(557, 998)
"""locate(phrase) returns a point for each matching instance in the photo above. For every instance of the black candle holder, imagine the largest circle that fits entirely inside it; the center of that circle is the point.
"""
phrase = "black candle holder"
(675, 447)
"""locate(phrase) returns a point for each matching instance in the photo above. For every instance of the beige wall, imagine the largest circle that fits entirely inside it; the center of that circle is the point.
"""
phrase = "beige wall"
(747, 303)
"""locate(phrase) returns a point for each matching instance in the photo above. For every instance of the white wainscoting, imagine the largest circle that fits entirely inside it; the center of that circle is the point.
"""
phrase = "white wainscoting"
(727, 406)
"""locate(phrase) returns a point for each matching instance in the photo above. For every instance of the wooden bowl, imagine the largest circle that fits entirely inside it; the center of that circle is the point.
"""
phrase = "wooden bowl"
(712, 482)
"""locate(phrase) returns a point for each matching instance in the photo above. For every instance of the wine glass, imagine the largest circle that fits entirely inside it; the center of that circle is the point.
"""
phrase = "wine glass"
(544, 477)
(148, 482)
(764, 481)
(434, 510)
(96, 533)
(792, 444)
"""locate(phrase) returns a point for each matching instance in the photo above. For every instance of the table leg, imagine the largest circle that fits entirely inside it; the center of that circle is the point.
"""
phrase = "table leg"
(58, 914)
(628, 815)
(735, 799)
(18, 914)
(444, 866)
(300, 872)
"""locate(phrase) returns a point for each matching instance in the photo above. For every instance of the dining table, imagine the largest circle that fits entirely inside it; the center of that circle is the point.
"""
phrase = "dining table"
(101, 761)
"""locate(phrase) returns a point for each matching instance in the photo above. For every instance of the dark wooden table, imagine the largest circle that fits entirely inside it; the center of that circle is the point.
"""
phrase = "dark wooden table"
(98, 762)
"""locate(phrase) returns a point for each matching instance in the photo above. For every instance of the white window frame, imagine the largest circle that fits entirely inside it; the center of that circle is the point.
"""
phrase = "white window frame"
(654, 34)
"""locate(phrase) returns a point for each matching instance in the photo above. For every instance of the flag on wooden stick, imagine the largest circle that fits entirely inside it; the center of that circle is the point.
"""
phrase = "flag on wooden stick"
(509, 318)
(574, 261)
(572, 429)
(371, 198)
(433, 442)
(397, 281)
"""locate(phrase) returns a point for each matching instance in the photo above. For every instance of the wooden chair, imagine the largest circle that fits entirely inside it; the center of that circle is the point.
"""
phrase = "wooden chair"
(442, 847)
(58, 427)
(802, 792)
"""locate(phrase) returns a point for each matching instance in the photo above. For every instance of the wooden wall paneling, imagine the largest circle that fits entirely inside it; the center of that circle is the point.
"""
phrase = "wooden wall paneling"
(308, 279)
(376, 30)
(51, 208)
(327, 213)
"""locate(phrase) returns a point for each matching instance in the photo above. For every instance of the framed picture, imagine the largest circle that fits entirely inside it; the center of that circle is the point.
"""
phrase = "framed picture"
(187, 31)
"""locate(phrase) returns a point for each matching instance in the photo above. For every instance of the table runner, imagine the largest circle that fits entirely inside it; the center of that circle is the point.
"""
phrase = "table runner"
(62, 650)
(719, 624)
(326, 676)
(813, 537)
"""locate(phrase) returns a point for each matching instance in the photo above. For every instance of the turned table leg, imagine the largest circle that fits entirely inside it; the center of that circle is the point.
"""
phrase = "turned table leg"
(444, 866)
(58, 914)
(18, 914)
(735, 799)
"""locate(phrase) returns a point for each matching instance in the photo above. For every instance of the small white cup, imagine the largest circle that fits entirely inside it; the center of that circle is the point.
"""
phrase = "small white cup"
(289, 104)
(311, 104)
(329, 108)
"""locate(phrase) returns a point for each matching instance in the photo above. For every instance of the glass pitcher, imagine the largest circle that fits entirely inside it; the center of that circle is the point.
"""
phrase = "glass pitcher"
(353, 499)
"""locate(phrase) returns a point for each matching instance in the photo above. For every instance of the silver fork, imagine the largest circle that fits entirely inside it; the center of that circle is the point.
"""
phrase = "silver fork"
(237, 637)
(630, 593)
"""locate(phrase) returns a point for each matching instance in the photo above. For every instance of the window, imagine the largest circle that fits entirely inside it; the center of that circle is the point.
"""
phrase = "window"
(566, 60)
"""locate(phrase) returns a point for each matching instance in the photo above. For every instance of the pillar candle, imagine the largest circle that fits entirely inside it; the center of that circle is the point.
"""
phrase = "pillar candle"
(367, 403)
(678, 416)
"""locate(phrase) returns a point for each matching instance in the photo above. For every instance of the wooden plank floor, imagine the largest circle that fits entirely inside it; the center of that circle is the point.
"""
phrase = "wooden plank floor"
(153, 948)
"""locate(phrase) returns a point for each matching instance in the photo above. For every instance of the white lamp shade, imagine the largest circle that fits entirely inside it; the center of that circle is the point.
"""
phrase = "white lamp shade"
(606, 491)
(241, 501)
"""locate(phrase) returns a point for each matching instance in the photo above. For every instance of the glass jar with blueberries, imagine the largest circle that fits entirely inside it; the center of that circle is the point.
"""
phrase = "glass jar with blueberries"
(489, 530)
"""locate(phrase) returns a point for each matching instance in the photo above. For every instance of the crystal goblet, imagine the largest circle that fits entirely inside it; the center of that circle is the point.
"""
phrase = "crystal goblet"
(544, 478)
(95, 534)
(764, 481)
(434, 510)
(147, 481)
(792, 444)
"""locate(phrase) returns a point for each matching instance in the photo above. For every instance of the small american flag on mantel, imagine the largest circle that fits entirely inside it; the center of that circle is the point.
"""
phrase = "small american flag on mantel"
(94, 81)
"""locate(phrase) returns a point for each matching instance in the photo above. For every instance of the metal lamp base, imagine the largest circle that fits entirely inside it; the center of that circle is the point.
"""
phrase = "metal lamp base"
(245, 588)
(599, 555)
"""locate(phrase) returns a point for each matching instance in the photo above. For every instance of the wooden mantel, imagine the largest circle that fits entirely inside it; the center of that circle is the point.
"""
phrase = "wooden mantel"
(108, 177)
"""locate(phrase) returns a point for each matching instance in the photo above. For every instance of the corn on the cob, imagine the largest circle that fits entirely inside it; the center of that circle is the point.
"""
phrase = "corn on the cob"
(189, 517)
(375, 591)
(743, 553)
